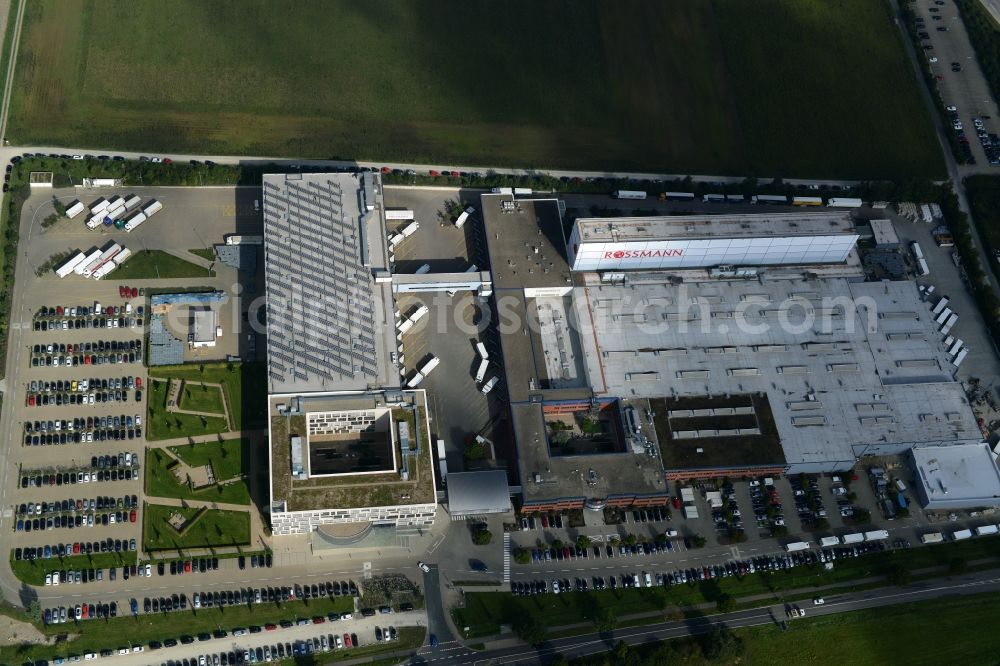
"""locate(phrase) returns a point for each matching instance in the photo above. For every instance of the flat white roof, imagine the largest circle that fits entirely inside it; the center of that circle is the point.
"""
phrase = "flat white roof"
(674, 227)
(869, 371)
(966, 473)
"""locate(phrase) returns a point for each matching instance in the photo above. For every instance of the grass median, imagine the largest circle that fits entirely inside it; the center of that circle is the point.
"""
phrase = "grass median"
(97, 635)
(33, 572)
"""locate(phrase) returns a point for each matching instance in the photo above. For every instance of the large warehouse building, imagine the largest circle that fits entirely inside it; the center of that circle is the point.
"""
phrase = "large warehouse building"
(701, 241)
(348, 448)
(656, 357)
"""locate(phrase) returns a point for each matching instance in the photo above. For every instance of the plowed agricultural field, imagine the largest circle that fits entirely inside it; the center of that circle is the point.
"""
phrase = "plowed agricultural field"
(768, 88)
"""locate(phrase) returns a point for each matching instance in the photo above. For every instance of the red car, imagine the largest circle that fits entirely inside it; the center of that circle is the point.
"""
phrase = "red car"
(434, 174)
(121, 291)
(84, 611)
(31, 400)
(187, 567)
(319, 620)
(138, 382)
(347, 637)
(111, 311)
(131, 516)
(76, 548)
(270, 627)
(135, 292)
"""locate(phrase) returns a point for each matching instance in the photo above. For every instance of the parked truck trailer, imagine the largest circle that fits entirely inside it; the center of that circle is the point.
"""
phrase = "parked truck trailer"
(796, 546)
(638, 195)
(932, 537)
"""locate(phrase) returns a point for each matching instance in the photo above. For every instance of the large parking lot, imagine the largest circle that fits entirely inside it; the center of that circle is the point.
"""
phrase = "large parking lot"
(75, 399)
(944, 42)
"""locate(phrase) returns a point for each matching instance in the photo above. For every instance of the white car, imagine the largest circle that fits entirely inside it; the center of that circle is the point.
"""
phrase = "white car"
(48, 579)
(423, 567)
(952, 108)
(138, 419)
(78, 157)
(819, 601)
(672, 533)
(149, 571)
(932, 60)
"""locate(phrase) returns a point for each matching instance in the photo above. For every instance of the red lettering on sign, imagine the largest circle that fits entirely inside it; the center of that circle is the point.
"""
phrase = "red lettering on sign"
(643, 254)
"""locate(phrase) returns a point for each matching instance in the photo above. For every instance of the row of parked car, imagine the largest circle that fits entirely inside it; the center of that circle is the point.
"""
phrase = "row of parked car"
(82, 611)
(71, 505)
(100, 468)
(81, 323)
(80, 520)
(61, 550)
(572, 552)
(93, 347)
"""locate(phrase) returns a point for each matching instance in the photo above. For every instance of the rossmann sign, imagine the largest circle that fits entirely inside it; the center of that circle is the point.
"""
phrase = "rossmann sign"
(643, 254)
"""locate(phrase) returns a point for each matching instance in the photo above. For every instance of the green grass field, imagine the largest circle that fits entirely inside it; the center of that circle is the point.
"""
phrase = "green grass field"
(241, 382)
(679, 87)
(157, 264)
(161, 482)
(202, 398)
(226, 456)
(945, 631)
(161, 424)
(213, 528)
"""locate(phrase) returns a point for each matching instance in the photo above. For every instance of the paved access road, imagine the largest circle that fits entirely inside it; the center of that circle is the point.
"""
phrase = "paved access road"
(578, 646)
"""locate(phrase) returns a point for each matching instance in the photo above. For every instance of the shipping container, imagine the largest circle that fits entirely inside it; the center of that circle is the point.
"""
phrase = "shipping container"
(398, 214)
(844, 202)
(961, 535)
(955, 347)
(75, 209)
(237, 239)
(122, 256)
(735, 198)
(484, 365)
(948, 324)
(114, 202)
(630, 194)
(857, 537)
(917, 252)
(415, 380)
(440, 449)
(116, 212)
(430, 365)
(772, 199)
(138, 218)
(925, 214)
(807, 201)
(132, 202)
(932, 537)
(986, 530)
(714, 198)
(410, 229)
(98, 206)
(826, 542)
(796, 546)
(961, 357)
(152, 208)
(942, 316)
(70, 264)
(472, 269)
(481, 349)
(488, 386)
(679, 196)
(104, 269)
(95, 221)
(876, 535)
(940, 305)
(418, 314)
(503, 190)
(522, 191)
(86, 262)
